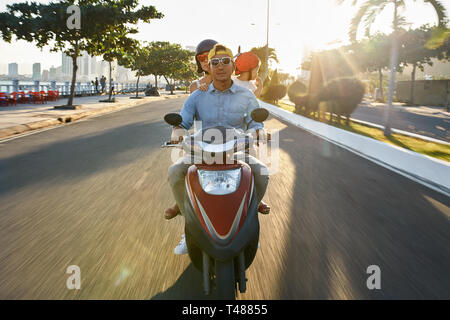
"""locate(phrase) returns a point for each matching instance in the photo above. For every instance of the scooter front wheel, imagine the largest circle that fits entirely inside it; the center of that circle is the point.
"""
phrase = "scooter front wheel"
(225, 280)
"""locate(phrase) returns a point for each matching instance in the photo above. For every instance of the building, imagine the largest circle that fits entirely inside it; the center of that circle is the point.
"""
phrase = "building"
(36, 71)
(93, 67)
(52, 73)
(85, 65)
(45, 75)
(426, 92)
(13, 70)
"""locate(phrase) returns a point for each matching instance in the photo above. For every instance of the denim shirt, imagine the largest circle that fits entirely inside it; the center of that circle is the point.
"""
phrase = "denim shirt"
(230, 108)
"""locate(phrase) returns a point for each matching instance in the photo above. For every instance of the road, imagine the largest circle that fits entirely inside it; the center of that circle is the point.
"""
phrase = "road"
(430, 125)
(92, 194)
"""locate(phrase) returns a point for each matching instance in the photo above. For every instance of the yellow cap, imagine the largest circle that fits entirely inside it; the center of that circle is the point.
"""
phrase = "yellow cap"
(219, 49)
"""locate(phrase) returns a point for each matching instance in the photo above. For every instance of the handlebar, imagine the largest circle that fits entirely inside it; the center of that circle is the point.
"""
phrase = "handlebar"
(167, 144)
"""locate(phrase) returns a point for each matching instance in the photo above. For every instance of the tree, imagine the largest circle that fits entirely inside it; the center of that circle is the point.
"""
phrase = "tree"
(295, 89)
(188, 74)
(169, 61)
(274, 91)
(261, 52)
(137, 62)
(47, 25)
(367, 13)
(114, 45)
(370, 55)
(343, 96)
(413, 51)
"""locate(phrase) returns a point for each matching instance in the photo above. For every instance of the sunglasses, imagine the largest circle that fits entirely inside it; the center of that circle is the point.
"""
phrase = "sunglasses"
(215, 61)
(202, 57)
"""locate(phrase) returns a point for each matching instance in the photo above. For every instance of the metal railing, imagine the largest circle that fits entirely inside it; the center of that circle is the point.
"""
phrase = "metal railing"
(64, 87)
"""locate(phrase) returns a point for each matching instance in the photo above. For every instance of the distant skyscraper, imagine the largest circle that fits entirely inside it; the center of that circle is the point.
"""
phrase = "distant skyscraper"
(85, 64)
(13, 70)
(36, 71)
(93, 69)
(66, 62)
(52, 74)
(45, 75)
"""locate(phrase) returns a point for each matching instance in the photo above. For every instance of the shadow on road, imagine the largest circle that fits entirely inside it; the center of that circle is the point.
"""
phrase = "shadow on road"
(80, 157)
(187, 287)
(349, 214)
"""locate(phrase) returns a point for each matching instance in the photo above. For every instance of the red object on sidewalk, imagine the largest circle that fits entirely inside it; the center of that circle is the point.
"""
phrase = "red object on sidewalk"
(4, 99)
(44, 97)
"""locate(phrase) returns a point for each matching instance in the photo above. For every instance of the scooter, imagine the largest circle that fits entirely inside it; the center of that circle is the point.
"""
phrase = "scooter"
(220, 207)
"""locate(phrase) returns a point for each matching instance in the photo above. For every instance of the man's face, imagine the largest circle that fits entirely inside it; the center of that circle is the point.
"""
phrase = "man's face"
(222, 72)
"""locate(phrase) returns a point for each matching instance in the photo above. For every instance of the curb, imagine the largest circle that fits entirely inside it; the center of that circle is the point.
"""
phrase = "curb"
(22, 128)
(431, 172)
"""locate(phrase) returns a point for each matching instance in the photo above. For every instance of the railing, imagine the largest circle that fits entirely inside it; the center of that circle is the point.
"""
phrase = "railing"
(64, 88)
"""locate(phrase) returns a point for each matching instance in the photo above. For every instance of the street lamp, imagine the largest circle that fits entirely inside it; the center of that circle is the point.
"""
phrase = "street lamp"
(267, 45)
(266, 72)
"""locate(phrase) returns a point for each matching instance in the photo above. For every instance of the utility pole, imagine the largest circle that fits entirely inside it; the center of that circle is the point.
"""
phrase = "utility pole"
(267, 45)
(394, 61)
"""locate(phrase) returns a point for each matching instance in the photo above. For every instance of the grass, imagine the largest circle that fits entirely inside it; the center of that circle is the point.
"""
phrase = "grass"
(432, 149)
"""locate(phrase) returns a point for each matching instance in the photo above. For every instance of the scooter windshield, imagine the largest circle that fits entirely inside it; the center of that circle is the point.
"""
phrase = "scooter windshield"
(215, 139)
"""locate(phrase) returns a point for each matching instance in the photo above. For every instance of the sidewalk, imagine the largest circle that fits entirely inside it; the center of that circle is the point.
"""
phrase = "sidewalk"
(433, 111)
(424, 122)
(26, 117)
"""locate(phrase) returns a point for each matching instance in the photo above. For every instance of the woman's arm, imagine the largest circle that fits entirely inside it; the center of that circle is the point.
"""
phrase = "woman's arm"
(259, 87)
(201, 84)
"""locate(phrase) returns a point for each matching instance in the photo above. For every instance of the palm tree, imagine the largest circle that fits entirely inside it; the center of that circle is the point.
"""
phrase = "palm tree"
(367, 14)
(261, 52)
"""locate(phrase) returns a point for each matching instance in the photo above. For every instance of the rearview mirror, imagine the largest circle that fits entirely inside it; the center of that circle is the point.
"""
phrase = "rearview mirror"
(260, 115)
(174, 119)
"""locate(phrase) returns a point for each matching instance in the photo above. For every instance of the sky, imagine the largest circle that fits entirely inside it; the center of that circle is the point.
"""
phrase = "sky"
(294, 26)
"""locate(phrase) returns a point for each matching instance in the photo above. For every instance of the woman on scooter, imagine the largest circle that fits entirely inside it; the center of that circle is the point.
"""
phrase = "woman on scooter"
(201, 58)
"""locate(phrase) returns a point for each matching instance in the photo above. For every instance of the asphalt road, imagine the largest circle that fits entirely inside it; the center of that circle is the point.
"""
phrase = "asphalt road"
(92, 194)
(433, 126)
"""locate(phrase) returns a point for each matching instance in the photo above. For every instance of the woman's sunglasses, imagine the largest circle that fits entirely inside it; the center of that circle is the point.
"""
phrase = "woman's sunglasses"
(202, 57)
(215, 61)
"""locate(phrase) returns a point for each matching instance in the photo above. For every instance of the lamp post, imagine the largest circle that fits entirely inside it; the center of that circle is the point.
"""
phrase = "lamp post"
(266, 72)
(267, 45)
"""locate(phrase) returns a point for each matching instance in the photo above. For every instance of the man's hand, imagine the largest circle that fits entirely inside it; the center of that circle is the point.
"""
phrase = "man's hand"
(177, 135)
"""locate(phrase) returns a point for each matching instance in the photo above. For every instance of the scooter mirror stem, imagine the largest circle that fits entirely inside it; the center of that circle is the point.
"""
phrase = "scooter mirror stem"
(248, 124)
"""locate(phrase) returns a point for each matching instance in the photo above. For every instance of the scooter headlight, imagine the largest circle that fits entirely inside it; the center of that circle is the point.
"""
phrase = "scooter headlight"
(219, 182)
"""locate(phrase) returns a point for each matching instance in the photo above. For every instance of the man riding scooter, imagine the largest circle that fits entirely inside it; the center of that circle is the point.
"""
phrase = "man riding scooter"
(225, 104)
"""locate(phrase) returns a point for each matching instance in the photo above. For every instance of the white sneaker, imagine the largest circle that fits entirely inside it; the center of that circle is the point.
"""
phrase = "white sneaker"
(181, 248)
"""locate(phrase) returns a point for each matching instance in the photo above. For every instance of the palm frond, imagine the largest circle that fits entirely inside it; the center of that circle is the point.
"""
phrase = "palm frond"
(440, 11)
(368, 8)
